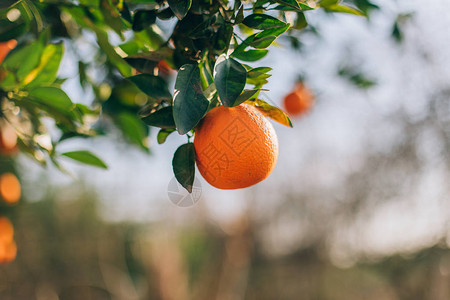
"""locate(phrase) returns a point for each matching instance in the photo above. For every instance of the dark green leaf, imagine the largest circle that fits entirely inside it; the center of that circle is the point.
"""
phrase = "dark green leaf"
(10, 30)
(239, 16)
(86, 157)
(153, 86)
(183, 164)
(163, 134)
(141, 64)
(229, 78)
(262, 22)
(143, 19)
(180, 7)
(245, 96)
(162, 118)
(189, 103)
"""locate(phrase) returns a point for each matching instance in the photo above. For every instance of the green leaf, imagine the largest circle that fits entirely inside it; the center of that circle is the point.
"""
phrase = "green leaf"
(262, 22)
(163, 134)
(300, 22)
(86, 157)
(45, 72)
(239, 16)
(250, 55)
(112, 17)
(180, 7)
(245, 96)
(10, 30)
(256, 72)
(23, 60)
(229, 78)
(153, 86)
(296, 5)
(53, 98)
(271, 111)
(132, 128)
(344, 9)
(143, 19)
(189, 103)
(162, 118)
(183, 164)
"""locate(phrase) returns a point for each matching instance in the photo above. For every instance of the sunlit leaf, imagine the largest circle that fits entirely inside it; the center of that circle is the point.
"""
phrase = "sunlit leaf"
(45, 72)
(163, 134)
(271, 111)
(86, 157)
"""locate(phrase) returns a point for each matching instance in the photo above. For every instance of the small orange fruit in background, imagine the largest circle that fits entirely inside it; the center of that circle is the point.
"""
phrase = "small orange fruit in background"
(8, 252)
(5, 47)
(235, 147)
(8, 248)
(9, 188)
(299, 101)
(6, 231)
(8, 140)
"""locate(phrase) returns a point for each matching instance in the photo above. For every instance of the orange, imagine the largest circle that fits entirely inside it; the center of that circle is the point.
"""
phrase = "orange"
(8, 140)
(9, 188)
(6, 231)
(299, 101)
(5, 47)
(8, 252)
(235, 147)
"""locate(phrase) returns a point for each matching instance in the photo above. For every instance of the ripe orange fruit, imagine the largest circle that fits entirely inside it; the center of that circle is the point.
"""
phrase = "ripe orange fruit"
(235, 147)
(9, 188)
(8, 140)
(299, 101)
(5, 47)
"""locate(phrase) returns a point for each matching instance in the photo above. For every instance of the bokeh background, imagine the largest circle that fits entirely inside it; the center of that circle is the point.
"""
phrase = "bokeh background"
(356, 208)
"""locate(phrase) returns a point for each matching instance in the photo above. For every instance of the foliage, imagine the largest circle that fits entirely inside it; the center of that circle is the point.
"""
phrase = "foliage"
(134, 46)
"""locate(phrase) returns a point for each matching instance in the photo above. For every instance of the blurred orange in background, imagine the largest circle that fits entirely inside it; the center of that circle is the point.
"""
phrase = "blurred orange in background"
(5, 47)
(298, 101)
(8, 248)
(10, 190)
(8, 140)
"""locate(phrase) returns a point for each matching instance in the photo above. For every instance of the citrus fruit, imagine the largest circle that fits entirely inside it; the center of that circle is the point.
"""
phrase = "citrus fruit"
(9, 188)
(6, 231)
(235, 147)
(8, 140)
(5, 47)
(8, 252)
(299, 101)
